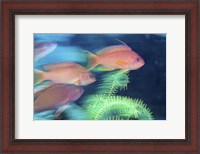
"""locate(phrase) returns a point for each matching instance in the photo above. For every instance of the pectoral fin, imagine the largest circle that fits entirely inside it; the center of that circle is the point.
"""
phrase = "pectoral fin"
(121, 63)
(59, 111)
(78, 82)
(103, 68)
(123, 71)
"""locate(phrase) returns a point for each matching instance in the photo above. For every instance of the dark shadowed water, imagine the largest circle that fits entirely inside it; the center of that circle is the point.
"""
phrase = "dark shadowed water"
(147, 83)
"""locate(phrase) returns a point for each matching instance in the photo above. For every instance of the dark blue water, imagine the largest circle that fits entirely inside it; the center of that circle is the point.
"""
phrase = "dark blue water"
(147, 83)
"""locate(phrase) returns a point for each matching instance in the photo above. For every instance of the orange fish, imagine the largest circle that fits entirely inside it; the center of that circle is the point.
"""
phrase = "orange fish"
(65, 73)
(55, 96)
(115, 57)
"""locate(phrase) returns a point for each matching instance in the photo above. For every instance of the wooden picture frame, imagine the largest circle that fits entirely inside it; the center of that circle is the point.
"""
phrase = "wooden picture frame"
(188, 8)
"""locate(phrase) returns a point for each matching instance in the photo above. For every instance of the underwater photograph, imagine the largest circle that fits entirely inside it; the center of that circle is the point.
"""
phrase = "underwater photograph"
(99, 76)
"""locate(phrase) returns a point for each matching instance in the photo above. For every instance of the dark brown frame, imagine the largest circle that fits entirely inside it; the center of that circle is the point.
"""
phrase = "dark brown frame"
(189, 8)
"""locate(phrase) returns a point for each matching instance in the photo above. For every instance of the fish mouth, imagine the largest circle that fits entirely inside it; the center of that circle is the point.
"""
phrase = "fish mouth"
(142, 64)
(94, 80)
(52, 44)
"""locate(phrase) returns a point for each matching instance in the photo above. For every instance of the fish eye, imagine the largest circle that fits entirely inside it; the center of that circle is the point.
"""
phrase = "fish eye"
(91, 76)
(138, 59)
(53, 43)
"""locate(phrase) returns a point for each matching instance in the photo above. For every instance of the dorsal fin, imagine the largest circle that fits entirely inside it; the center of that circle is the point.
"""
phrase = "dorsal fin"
(114, 48)
(59, 65)
(123, 43)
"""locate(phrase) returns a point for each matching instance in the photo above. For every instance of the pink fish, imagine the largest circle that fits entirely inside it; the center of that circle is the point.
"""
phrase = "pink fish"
(65, 73)
(42, 49)
(56, 96)
(115, 57)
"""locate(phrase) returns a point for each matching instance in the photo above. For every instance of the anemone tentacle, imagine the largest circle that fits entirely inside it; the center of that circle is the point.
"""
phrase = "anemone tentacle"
(104, 107)
(113, 81)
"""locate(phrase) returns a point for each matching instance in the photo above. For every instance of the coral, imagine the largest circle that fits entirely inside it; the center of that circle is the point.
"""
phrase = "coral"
(113, 81)
(106, 105)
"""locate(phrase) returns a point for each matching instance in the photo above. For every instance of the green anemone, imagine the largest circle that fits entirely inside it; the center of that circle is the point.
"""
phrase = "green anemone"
(104, 107)
(113, 81)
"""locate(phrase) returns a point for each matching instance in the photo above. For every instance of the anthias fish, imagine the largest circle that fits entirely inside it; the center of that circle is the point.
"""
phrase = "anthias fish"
(65, 73)
(55, 96)
(115, 57)
(42, 49)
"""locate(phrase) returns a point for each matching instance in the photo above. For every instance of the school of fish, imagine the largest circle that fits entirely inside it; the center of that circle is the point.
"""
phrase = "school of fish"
(67, 78)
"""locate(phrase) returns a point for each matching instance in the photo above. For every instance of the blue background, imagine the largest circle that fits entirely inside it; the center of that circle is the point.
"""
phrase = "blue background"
(147, 83)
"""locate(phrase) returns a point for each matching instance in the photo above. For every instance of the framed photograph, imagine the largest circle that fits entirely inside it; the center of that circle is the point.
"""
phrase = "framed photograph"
(100, 76)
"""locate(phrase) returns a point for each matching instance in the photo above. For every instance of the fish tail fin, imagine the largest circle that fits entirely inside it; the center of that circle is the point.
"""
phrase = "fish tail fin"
(38, 76)
(93, 60)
